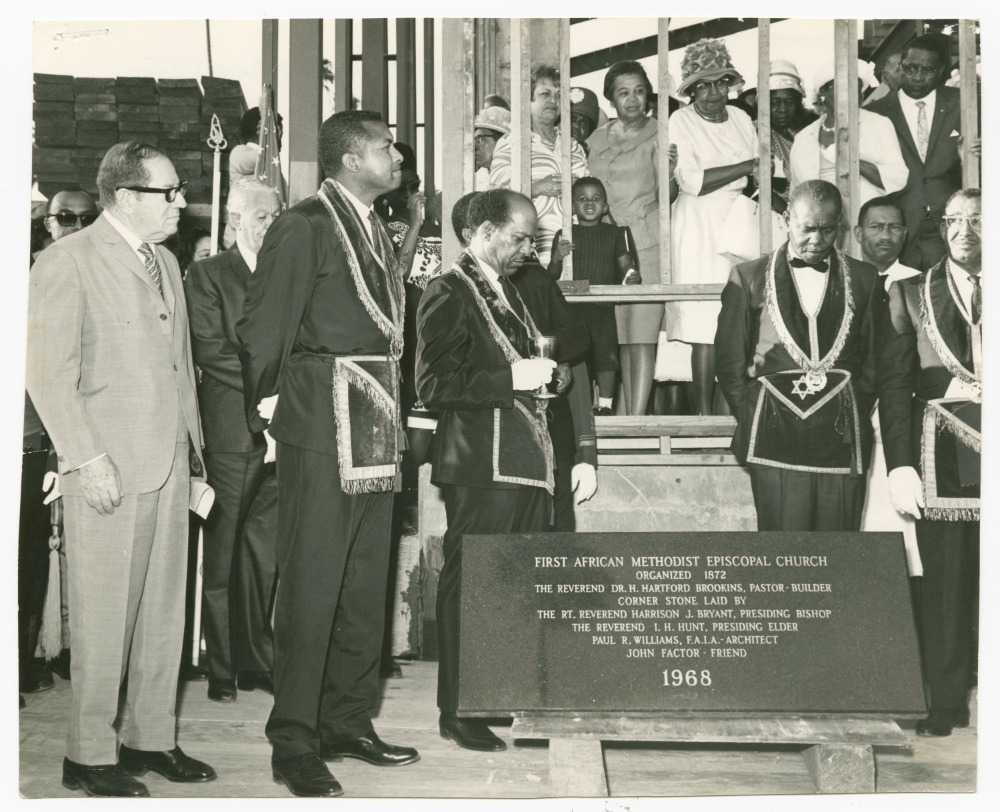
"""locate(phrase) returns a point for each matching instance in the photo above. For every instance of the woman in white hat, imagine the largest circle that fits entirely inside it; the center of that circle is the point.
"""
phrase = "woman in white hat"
(788, 116)
(814, 151)
(716, 154)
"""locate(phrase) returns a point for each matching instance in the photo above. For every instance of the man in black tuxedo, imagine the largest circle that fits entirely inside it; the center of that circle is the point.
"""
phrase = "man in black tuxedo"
(492, 457)
(795, 359)
(928, 121)
(240, 533)
(930, 396)
(322, 335)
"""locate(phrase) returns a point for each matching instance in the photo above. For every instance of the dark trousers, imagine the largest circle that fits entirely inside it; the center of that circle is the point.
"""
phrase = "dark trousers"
(949, 596)
(800, 500)
(475, 510)
(329, 608)
(238, 564)
(32, 558)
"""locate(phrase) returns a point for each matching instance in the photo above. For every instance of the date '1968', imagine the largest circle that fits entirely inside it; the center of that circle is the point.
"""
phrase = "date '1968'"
(676, 677)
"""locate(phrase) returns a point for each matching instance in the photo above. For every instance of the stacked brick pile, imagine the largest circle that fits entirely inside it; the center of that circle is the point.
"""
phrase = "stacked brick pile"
(77, 119)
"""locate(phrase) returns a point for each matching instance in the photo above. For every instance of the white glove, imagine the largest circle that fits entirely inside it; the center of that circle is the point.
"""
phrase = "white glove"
(271, 454)
(583, 478)
(906, 491)
(266, 407)
(529, 374)
(50, 485)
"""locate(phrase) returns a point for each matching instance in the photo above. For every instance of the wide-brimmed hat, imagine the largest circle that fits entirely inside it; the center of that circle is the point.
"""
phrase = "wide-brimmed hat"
(785, 76)
(493, 118)
(866, 73)
(584, 102)
(705, 61)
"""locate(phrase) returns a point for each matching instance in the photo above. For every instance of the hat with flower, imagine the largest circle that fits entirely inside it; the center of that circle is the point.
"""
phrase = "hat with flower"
(705, 61)
(785, 76)
(583, 101)
(493, 118)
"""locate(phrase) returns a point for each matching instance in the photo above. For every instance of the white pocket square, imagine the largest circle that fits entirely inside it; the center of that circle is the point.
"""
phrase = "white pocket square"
(955, 134)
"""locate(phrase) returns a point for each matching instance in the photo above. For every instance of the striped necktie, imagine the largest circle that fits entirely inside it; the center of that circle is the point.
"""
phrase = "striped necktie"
(976, 302)
(149, 261)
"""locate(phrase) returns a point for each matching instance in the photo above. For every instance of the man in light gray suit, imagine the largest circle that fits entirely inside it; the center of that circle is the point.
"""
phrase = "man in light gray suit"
(109, 370)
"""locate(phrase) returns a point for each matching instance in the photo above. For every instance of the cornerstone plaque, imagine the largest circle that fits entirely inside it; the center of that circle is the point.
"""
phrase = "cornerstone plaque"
(694, 623)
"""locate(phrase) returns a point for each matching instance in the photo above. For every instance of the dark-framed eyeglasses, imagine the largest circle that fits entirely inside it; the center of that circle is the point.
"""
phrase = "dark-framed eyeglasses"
(721, 85)
(975, 221)
(67, 219)
(911, 69)
(169, 192)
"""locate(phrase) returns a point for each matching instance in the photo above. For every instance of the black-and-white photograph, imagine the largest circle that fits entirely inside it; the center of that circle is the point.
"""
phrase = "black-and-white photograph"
(501, 407)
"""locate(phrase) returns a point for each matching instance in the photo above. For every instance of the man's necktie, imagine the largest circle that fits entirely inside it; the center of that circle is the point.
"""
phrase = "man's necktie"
(822, 266)
(149, 261)
(977, 298)
(923, 131)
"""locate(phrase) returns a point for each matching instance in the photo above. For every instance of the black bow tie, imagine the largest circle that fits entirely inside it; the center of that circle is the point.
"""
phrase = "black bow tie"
(822, 266)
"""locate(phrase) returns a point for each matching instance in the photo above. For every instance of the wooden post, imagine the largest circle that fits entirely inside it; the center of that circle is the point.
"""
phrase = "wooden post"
(520, 107)
(486, 59)
(663, 144)
(429, 129)
(970, 101)
(845, 35)
(269, 57)
(565, 144)
(343, 65)
(374, 71)
(406, 81)
(457, 88)
(305, 107)
(764, 132)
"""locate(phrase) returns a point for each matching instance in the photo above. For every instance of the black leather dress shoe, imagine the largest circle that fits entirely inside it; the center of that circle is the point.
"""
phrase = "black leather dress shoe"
(390, 670)
(941, 724)
(471, 734)
(104, 780)
(193, 673)
(256, 681)
(37, 678)
(222, 690)
(174, 765)
(306, 776)
(370, 748)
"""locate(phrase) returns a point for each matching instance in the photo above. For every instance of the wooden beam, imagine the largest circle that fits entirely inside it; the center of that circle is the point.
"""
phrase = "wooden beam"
(663, 145)
(970, 102)
(487, 60)
(269, 57)
(374, 71)
(520, 107)
(647, 46)
(305, 107)
(457, 89)
(764, 132)
(343, 64)
(430, 131)
(565, 144)
(406, 81)
(845, 35)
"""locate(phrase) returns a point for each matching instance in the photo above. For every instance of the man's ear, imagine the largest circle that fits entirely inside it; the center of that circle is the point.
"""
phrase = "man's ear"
(234, 220)
(350, 161)
(858, 231)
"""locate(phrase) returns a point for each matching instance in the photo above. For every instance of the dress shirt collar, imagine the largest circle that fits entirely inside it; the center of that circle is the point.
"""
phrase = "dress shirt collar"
(493, 277)
(963, 284)
(363, 211)
(908, 103)
(125, 232)
(248, 257)
(793, 254)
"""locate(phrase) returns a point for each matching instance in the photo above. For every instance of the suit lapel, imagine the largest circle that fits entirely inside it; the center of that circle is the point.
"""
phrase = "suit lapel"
(788, 303)
(122, 254)
(951, 325)
(903, 133)
(831, 311)
(942, 107)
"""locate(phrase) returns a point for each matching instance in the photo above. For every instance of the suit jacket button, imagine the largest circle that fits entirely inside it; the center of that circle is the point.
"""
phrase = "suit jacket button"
(163, 316)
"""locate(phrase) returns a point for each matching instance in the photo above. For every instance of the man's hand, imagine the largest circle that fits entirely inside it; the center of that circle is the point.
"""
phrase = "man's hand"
(671, 160)
(632, 277)
(583, 478)
(101, 485)
(266, 407)
(271, 454)
(550, 186)
(564, 378)
(975, 146)
(906, 491)
(529, 374)
(415, 207)
(562, 249)
(50, 486)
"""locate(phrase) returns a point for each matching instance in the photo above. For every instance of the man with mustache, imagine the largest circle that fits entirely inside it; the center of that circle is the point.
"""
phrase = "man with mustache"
(492, 456)
(930, 400)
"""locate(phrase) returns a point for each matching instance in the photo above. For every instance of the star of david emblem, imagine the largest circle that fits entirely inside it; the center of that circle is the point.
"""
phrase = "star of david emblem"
(801, 388)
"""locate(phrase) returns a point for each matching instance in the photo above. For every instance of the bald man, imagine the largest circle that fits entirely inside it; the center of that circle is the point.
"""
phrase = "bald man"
(69, 211)
(240, 533)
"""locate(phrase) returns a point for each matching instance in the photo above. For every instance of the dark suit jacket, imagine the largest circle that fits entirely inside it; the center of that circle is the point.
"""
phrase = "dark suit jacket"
(747, 351)
(483, 437)
(910, 371)
(215, 290)
(931, 182)
(302, 309)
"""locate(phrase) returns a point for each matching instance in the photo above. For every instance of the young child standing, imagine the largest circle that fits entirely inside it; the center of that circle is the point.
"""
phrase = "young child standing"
(602, 255)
